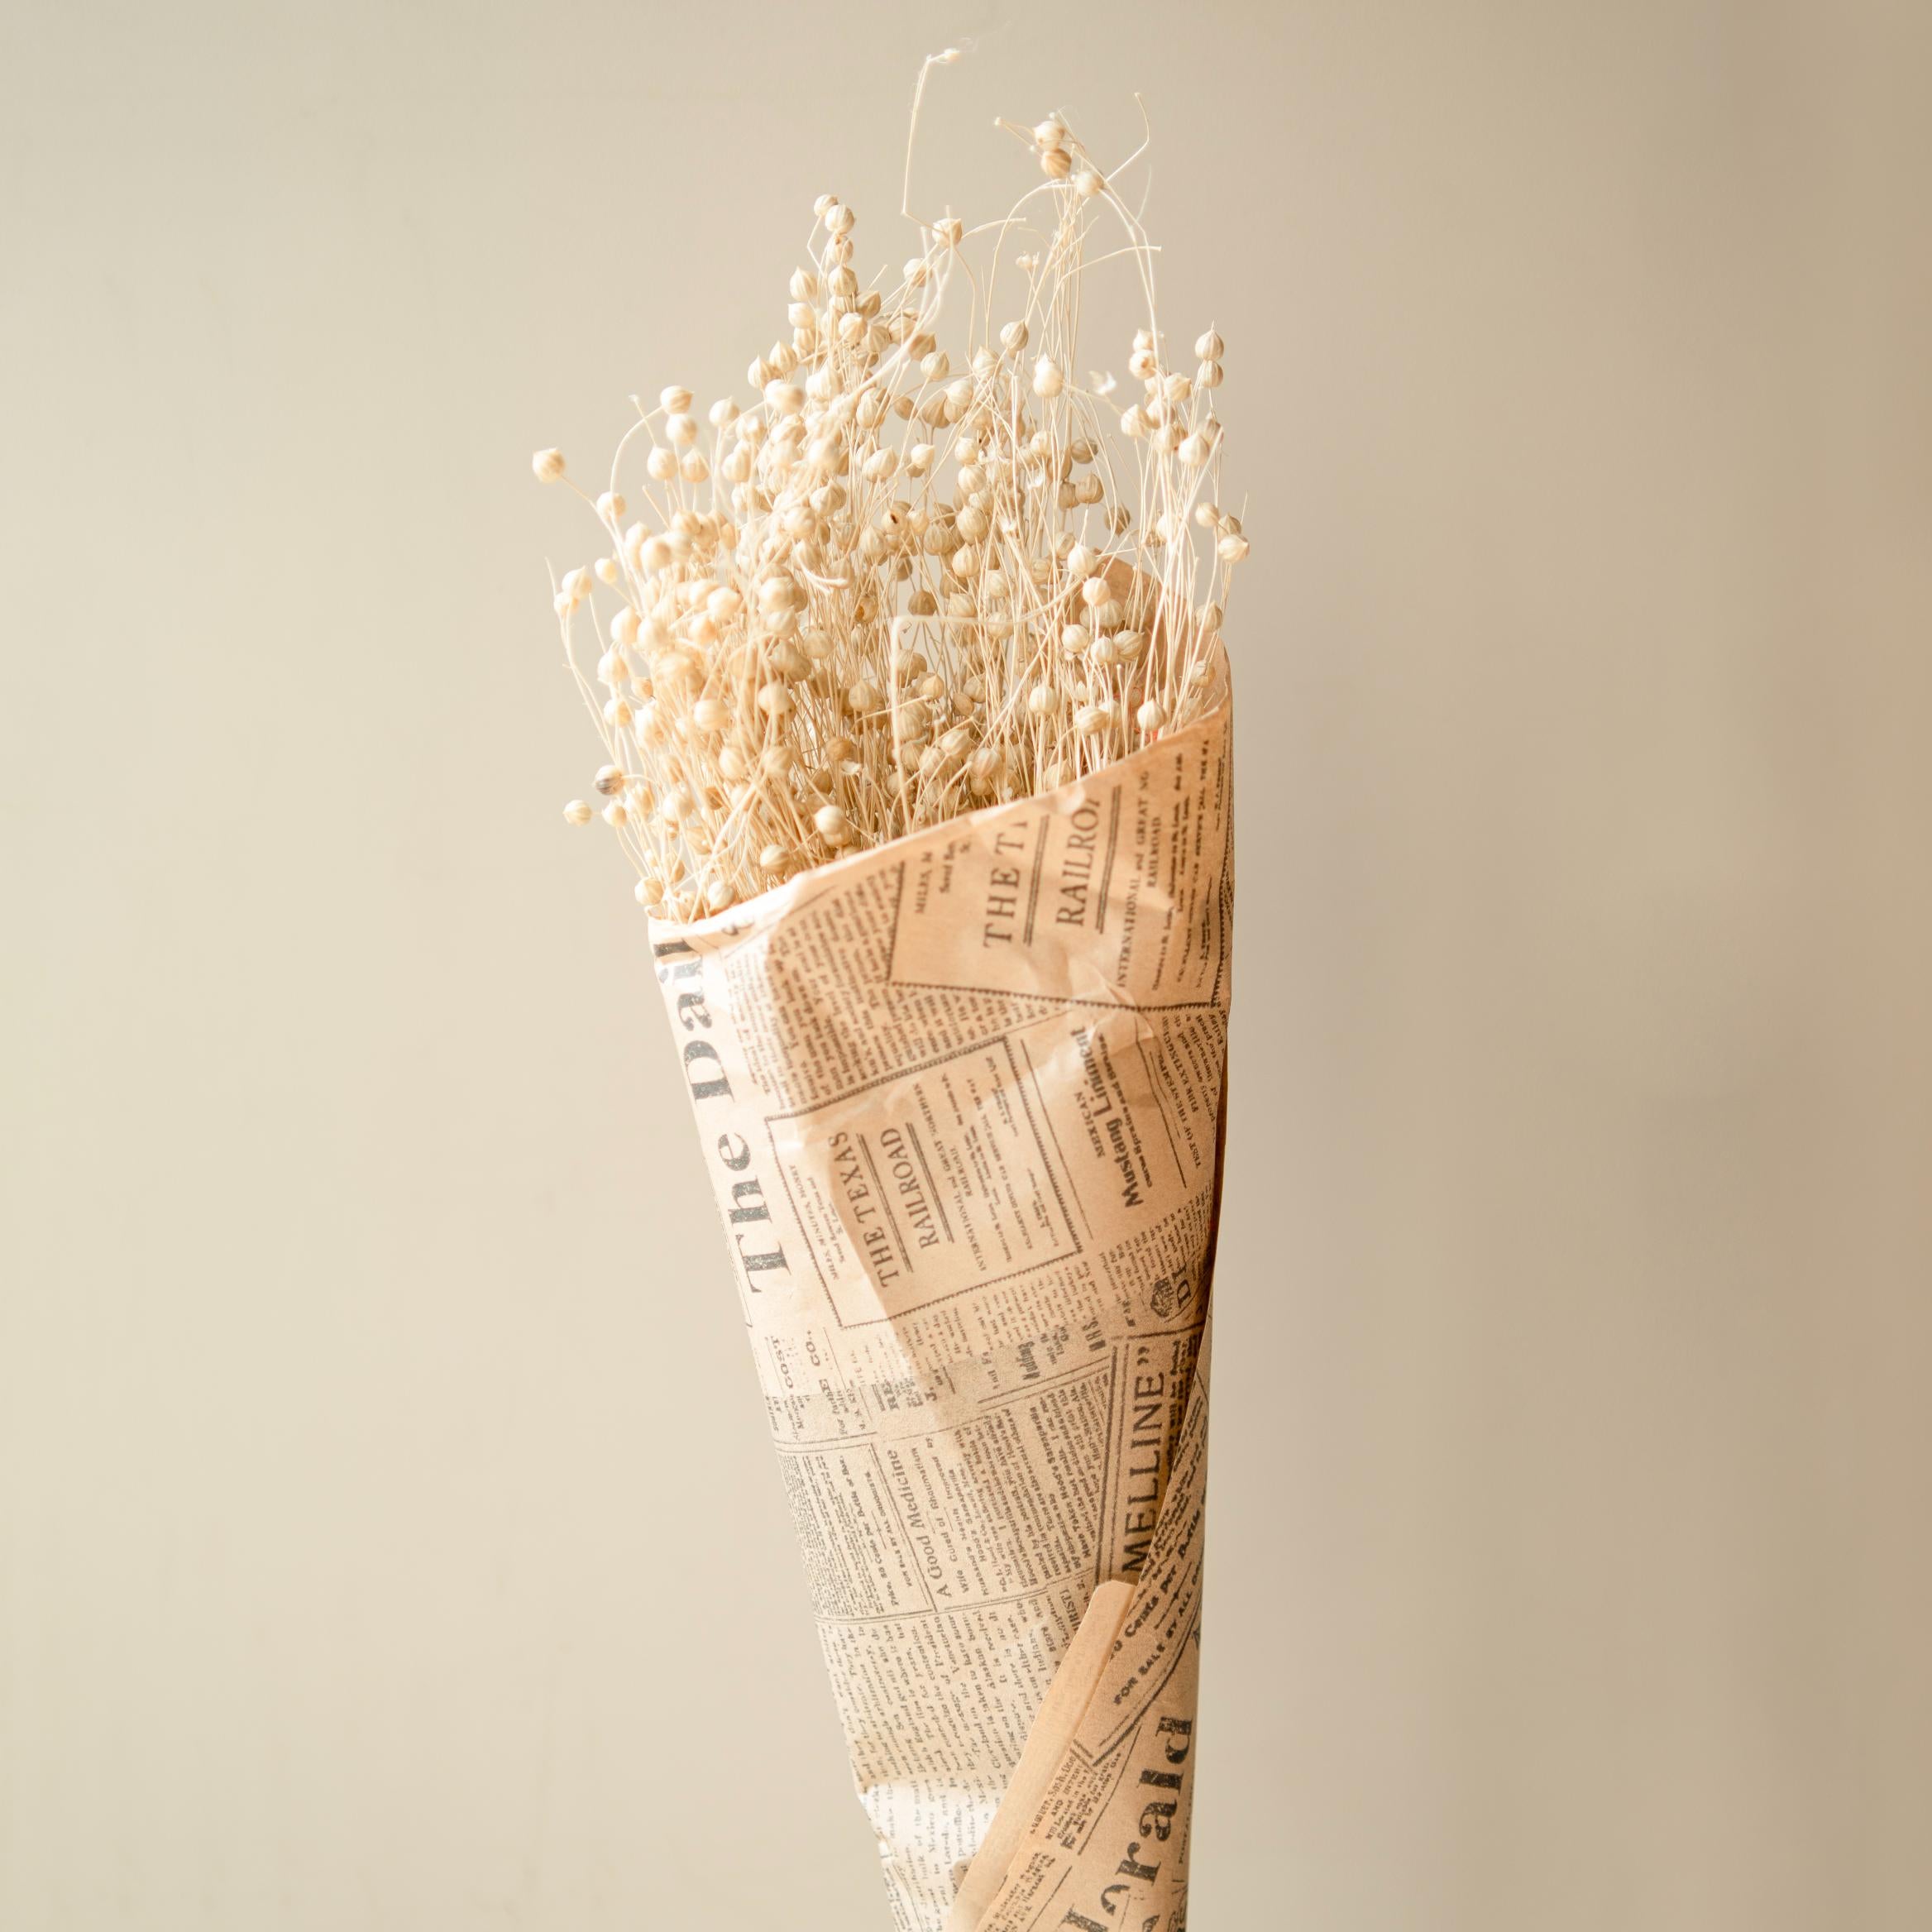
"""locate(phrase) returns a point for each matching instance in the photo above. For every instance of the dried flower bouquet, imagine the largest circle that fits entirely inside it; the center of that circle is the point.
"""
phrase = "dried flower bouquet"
(917, 727)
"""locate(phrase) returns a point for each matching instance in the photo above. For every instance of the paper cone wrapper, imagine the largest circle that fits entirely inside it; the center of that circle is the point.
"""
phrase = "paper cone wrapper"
(961, 1098)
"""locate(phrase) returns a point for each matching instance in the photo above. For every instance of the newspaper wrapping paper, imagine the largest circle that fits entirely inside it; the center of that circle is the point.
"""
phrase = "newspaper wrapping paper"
(961, 1099)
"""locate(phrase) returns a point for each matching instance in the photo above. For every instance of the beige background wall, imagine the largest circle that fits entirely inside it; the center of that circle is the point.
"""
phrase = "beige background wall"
(1572, 1434)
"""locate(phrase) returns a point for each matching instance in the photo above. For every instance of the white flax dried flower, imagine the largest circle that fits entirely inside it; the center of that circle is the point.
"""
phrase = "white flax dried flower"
(922, 571)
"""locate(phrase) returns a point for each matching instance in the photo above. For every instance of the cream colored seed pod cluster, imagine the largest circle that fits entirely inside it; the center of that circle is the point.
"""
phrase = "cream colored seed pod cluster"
(906, 579)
